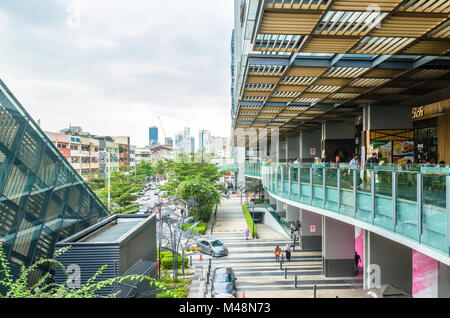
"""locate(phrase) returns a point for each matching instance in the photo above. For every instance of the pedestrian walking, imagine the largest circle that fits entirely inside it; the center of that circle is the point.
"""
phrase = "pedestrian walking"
(357, 260)
(288, 252)
(293, 228)
(247, 231)
(277, 253)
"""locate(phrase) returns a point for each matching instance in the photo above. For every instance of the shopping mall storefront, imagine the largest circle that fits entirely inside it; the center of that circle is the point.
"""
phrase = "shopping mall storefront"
(432, 132)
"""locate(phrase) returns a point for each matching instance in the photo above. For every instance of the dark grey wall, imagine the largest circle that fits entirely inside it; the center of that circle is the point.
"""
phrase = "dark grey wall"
(444, 281)
(394, 259)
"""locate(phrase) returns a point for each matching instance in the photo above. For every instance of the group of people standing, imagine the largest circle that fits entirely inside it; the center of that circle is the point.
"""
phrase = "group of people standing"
(287, 252)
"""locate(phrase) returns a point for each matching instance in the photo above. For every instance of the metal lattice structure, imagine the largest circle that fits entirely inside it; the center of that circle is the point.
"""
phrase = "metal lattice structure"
(42, 198)
(308, 61)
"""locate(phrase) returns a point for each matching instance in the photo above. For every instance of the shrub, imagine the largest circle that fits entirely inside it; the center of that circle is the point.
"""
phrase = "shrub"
(180, 292)
(167, 262)
(201, 227)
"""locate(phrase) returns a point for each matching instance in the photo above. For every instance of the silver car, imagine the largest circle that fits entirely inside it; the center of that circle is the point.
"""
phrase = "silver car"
(223, 282)
(213, 247)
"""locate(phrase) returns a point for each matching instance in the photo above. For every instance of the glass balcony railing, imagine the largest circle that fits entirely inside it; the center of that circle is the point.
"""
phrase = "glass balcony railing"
(253, 169)
(410, 203)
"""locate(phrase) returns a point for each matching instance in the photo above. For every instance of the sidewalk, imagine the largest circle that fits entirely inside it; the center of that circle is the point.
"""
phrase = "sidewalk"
(259, 276)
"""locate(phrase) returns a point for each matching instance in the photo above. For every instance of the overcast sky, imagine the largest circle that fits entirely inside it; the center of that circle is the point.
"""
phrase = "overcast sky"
(124, 63)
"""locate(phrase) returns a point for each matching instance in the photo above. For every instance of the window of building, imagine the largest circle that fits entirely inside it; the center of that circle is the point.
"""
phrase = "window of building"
(73, 147)
(426, 140)
(85, 148)
(62, 146)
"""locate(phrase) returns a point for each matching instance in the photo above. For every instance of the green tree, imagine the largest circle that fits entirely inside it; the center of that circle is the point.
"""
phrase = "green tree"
(202, 191)
(182, 171)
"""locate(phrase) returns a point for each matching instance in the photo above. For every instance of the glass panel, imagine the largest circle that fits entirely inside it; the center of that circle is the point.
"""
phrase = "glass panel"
(407, 205)
(434, 216)
(383, 200)
(5, 161)
(331, 188)
(305, 184)
(85, 207)
(54, 213)
(31, 148)
(37, 201)
(347, 196)
(317, 186)
(26, 239)
(45, 244)
(11, 125)
(74, 197)
(9, 219)
(48, 169)
(18, 184)
(364, 198)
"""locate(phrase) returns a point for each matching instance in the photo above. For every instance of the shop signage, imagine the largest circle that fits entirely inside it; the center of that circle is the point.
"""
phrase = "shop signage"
(65, 152)
(312, 228)
(418, 112)
(284, 206)
(312, 151)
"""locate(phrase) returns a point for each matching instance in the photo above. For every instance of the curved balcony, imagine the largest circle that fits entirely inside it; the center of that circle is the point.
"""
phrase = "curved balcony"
(411, 204)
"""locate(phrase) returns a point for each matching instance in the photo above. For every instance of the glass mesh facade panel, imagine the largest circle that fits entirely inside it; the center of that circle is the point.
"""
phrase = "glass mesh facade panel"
(42, 198)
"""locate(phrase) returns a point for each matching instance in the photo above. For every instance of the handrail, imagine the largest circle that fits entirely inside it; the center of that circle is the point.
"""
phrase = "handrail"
(411, 203)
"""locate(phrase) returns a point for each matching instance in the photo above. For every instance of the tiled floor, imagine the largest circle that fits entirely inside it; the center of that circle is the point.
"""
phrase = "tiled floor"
(259, 276)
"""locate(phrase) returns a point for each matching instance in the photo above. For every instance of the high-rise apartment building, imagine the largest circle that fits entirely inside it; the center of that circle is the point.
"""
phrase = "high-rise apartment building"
(203, 138)
(152, 136)
(168, 141)
(179, 145)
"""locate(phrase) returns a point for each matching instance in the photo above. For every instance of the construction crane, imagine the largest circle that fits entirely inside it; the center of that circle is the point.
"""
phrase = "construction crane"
(162, 128)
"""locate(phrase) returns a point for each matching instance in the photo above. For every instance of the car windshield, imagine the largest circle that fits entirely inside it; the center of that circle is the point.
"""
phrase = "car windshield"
(223, 278)
(216, 243)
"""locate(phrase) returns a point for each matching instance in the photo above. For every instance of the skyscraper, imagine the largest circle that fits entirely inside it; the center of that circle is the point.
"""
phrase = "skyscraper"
(187, 139)
(179, 145)
(168, 141)
(152, 136)
(192, 144)
(204, 137)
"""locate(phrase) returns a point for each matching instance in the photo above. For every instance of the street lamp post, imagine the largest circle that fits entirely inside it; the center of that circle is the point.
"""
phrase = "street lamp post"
(105, 157)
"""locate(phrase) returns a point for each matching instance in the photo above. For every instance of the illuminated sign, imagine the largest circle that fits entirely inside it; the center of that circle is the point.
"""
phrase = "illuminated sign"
(418, 112)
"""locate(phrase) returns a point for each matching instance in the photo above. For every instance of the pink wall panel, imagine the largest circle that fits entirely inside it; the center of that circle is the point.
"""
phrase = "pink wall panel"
(359, 244)
(425, 276)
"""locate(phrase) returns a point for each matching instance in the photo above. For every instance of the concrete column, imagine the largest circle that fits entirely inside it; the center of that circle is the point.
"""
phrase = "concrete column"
(338, 248)
(283, 150)
(430, 278)
(310, 236)
(280, 210)
(386, 262)
(266, 197)
(293, 148)
(308, 140)
(273, 202)
(292, 213)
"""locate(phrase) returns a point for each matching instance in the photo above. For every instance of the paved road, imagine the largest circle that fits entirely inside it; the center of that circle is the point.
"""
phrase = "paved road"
(258, 275)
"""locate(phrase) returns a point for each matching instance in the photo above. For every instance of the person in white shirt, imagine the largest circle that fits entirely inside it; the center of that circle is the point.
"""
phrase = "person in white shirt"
(354, 161)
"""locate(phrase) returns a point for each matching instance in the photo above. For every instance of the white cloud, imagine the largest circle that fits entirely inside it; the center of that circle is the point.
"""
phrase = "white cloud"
(128, 62)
